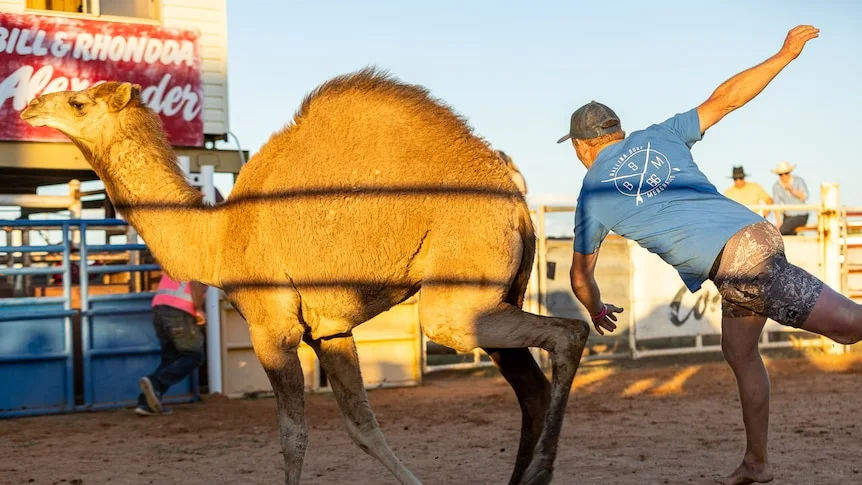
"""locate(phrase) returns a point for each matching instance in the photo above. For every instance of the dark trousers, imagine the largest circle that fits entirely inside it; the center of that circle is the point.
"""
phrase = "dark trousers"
(182, 342)
(790, 223)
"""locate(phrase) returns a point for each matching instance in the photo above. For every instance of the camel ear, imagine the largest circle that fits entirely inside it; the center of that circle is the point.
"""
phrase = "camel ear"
(124, 94)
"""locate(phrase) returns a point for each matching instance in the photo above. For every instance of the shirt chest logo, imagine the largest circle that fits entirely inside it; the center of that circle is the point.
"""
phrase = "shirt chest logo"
(641, 172)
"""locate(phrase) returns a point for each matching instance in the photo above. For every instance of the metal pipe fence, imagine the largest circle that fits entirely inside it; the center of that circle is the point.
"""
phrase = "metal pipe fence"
(47, 341)
(833, 249)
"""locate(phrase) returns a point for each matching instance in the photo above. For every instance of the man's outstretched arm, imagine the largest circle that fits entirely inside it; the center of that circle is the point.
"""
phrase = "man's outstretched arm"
(742, 88)
(587, 291)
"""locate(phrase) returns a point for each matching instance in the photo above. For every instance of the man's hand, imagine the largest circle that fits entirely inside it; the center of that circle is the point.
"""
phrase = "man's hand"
(796, 40)
(200, 317)
(605, 318)
(742, 88)
(795, 193)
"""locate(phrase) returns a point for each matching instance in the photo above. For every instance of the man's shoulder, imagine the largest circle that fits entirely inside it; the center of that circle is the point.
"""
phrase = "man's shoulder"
(660, 132)
(655, 127)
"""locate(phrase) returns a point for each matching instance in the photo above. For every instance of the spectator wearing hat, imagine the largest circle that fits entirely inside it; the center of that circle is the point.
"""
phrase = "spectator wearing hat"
(747, 193)
(789, 190)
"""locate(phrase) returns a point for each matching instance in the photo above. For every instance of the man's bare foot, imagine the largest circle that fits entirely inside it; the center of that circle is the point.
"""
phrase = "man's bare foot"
(747, 474)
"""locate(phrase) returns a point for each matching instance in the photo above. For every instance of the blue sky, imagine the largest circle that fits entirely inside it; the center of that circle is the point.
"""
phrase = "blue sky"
(517, 70)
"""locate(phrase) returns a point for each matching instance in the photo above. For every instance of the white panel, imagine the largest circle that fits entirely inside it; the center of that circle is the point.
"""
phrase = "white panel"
(12, 6)
(804, 251)
(388, 346)
(210, 37)
(215, 91)
(210, 19)
(214, 64)
(663, 307)
(201, 4)
(613, 275)
(194, 14)
(213, 114)
(213, 77)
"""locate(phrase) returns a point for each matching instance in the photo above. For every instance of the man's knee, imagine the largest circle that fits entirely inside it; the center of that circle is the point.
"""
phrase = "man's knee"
(738, 353)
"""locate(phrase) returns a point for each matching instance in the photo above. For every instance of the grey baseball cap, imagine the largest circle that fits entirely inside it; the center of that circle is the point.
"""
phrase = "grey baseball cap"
(592, 120)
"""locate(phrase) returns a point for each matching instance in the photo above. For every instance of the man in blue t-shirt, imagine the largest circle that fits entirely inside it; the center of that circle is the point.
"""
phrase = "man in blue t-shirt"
(646, 187)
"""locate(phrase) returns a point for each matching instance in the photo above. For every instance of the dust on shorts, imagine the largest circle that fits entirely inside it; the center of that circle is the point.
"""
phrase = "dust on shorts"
(755, 278)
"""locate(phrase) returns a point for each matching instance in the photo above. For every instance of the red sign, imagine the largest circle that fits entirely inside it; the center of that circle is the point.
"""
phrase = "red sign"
(41, 54)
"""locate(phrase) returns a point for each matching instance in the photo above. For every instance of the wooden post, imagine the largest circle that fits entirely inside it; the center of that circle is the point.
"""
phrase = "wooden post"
(829, 228)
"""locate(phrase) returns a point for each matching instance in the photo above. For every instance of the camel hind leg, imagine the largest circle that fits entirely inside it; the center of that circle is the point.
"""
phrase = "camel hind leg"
(533, 391)
(462, 305)
(466, 318)
(338, 358)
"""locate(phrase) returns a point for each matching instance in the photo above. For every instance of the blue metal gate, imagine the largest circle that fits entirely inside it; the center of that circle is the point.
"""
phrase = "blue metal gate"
(117, 343)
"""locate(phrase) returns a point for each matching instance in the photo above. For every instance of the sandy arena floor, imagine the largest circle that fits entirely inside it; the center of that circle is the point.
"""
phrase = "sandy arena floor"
(675, 421)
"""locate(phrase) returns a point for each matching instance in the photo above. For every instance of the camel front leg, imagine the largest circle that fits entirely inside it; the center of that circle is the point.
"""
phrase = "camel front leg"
(338, 358)
(276, 334)
(288, 384)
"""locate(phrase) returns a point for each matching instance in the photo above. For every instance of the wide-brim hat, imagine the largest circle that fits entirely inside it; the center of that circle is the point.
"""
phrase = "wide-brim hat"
(738, 172)
(782, 168)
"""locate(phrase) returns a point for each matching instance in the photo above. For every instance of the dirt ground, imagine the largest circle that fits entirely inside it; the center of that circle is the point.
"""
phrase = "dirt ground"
(670, 421)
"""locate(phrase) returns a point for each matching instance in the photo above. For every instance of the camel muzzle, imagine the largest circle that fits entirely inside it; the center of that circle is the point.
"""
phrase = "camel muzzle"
(30, 113)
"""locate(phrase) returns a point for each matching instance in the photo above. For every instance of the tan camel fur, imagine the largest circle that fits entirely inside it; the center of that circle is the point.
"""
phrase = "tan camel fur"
(520, 183)
(373, 191)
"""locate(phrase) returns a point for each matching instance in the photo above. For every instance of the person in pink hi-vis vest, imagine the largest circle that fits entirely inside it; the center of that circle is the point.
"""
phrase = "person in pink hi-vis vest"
(177, 314)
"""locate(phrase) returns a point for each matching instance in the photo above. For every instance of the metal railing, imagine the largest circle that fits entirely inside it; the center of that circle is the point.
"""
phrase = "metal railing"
(851, 252)
(831, 243)
(95, 311)
(34, 308)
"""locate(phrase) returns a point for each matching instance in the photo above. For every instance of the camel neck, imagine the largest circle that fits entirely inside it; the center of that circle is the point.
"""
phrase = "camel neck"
(153, 195)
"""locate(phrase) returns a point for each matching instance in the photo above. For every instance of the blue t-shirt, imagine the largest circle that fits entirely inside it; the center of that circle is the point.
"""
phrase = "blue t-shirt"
(647, 188)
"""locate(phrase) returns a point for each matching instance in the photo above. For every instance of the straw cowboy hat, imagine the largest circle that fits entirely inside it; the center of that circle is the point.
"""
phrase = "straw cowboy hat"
(782, 168)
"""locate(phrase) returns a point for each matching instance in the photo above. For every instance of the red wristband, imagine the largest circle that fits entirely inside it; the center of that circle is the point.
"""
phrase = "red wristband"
(602, 314)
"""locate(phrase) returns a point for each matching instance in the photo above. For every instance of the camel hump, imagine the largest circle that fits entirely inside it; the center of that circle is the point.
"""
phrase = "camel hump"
(377, 85)
(368, 129)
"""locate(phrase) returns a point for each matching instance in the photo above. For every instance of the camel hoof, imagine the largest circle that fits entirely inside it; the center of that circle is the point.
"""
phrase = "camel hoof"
(541, 477)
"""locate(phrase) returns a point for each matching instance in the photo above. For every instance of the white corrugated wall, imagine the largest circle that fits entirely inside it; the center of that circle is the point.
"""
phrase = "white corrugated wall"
(13, 6)
(210, 18)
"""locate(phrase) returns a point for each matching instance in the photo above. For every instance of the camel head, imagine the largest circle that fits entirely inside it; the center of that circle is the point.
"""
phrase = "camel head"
(92, 118)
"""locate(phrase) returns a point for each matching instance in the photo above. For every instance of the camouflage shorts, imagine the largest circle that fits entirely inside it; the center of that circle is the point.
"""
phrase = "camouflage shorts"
(755, 278)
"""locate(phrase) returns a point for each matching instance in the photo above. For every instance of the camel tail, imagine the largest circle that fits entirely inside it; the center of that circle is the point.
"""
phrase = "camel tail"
(528, 238)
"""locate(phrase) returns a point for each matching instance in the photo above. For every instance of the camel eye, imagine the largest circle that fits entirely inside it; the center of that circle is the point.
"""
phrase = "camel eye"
(76, 105)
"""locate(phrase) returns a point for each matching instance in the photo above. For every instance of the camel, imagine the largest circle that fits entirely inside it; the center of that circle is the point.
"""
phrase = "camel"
(513, 172)
(373, 191)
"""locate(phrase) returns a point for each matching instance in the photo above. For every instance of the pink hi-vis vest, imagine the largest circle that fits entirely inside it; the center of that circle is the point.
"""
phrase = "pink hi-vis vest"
(174, 294)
